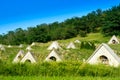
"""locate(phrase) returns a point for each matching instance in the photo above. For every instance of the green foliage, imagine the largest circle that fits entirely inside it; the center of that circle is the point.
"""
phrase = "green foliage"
(82, 33)
(87, 45)
(56, 78)
(105, 21)
(71, 65)
(111, 21)
(58, 69)
(40, 49)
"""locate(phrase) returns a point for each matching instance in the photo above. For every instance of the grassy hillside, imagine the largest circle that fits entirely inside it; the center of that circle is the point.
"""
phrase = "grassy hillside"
(71, 68)
(40, 49)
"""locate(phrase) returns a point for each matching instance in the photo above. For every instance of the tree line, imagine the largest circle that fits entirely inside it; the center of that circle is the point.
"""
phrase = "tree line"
(107, 22)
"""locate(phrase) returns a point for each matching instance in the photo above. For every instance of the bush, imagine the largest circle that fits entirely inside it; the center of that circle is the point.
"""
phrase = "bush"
(82, 33)
(87, 45)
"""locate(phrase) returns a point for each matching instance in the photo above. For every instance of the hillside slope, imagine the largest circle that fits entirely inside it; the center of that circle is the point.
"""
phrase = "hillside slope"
(40, 51)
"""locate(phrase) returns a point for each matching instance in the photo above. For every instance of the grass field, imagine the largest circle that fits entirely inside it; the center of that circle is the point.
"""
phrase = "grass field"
(73, 56)
(40, 49)
(56, 78)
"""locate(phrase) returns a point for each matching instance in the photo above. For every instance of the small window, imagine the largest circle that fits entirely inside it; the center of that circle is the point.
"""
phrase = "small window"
(103, 59)
(19, 57)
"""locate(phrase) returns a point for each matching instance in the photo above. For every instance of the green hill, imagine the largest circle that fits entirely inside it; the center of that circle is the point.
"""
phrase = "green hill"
(40, 49)
(72, 64)
(106, 22)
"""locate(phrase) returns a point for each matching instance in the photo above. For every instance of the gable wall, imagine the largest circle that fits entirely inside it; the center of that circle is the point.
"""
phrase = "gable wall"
(105, 52)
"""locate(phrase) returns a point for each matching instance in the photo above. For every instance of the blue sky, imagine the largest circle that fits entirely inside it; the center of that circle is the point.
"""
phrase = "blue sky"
(28, 13)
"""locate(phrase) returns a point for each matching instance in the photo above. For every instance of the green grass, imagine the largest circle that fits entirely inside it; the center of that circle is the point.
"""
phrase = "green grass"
(72, 68)
(40, 51)
(72, 60)
(56, 78)
(116, 48)
(97, 37)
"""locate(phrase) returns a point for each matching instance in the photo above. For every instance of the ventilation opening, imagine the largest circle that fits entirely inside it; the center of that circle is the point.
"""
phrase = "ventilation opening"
(114, 42)
(104, 59)
(28, 61)
(53, 58)
(19, 57)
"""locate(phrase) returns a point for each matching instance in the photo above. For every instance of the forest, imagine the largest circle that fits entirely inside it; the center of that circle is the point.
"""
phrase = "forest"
(106, 22)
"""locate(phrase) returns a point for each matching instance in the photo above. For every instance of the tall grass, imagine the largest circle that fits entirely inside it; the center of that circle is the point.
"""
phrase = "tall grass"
(72, 64)
(40, 51)
(58, 69)
(56, 78)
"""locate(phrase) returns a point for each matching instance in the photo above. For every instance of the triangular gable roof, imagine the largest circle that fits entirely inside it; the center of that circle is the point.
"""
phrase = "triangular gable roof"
(2, 47)
(114, 38)
(9, 46)
(77, 41)
(29, 48)
(33, 44)
(28, 57)
(54, 45)
(20, 46)
(71, 46)
(19, 56)
(105, 50)
(53, 54)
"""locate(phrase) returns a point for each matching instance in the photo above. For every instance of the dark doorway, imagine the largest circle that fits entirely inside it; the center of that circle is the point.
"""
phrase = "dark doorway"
(113, 41)
(53, 58)
(28, 61)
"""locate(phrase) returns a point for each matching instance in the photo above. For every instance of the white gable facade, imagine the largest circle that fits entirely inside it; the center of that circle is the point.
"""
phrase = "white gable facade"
(2, 48)
(1, 45)
(33, 44)
(104, 55)
(28, 57)
(71, 46)
(113, 40)
(29, 48)
(20, 46)
(9, 46)
(77, 41)
(19, 56)
(53, 56)
(54, 45)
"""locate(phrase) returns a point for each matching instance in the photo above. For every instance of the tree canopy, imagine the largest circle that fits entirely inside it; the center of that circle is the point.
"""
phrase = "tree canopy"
(107, 22)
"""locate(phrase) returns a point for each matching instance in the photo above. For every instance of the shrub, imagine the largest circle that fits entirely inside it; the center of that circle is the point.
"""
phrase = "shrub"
(87, 45)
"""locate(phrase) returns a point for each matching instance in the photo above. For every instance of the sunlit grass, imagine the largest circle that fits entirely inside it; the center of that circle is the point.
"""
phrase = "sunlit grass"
(40, 51)
(56, 78)
(69, 56)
